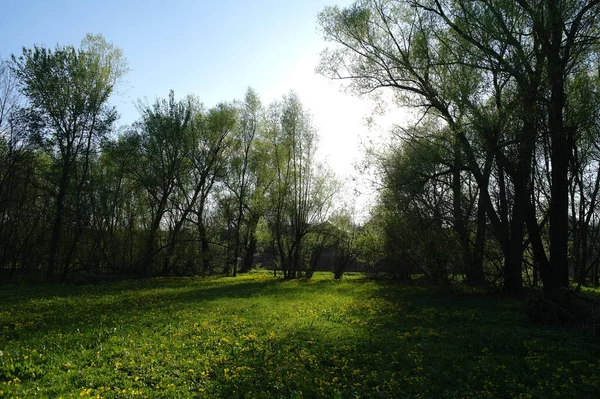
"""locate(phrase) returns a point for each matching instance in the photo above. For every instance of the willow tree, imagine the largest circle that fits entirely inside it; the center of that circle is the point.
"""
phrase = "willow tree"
(67, 89)
(496, 68)
(245, 180)
(211, 136)
(302, 192)
(389, 45)
(161, 144)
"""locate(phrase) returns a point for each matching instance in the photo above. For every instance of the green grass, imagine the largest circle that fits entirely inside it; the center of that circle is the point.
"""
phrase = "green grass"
(255, 336)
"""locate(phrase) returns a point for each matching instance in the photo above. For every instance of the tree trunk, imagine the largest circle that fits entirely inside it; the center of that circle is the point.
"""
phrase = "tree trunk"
(513, 254)
(204, 248)
(146, 263)
(474, 272)
(249, 252)
(558, 277)
(55, 241)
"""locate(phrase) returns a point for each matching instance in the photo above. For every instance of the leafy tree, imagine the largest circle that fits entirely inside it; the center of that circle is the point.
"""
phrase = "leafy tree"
(213, 135)
(9, 97)
(161, 144)
(497, 73)
(383, 45)
(345, 237)
(242, 177)
(116, 208)
(67, 89)
(21, 204)
(301, 194)
(584, 103)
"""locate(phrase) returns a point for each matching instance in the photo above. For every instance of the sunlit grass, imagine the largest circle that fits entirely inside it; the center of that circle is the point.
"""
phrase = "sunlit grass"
(256, 336)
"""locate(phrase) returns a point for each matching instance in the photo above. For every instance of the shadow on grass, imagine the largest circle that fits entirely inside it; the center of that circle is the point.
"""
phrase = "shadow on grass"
(329, 339)
(423, 341)
(47, 308)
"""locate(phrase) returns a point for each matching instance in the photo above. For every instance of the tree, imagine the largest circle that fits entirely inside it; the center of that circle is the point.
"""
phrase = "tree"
(584, 103)
(497, 73)
(116, 208)
(242, 174)
(563, 36)
(384, 44)
(20, 167)
(9, 97)
(67, 90)
(301, 194)
(345, 237)
(213, 135)
(418, 200)
(161, 145)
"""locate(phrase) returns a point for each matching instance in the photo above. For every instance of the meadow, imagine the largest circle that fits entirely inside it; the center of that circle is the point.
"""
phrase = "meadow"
(256, 336)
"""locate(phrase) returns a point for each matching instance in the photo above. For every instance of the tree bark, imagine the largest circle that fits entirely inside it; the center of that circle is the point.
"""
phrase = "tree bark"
(558, 277)
(55, 241)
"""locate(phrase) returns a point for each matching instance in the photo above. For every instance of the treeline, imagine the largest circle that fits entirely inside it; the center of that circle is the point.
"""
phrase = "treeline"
(183, 190)
(496, 183)
(499, 180)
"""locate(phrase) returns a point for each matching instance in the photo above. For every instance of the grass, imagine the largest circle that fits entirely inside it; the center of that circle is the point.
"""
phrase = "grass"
(259, 337)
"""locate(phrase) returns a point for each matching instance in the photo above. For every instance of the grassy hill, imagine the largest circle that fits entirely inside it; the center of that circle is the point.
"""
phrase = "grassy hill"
(259, 337)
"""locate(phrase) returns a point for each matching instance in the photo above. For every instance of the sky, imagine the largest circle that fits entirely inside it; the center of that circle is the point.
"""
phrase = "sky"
(212, 49)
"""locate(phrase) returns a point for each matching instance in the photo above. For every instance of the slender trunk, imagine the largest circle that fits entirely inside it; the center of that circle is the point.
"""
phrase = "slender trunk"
(175, 233)
(166, 266)
(146, 264)
(55, 240)
(540, 259)
(249, 246)
(460, 223)
(204, 247)
(475, 274)
(249, 255)
(558, 276)
(521, 177)
(578, 228)
(69, 255)
(237, 243)
(513, 254)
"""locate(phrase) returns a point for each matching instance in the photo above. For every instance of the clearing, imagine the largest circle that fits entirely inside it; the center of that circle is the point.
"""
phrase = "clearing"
(259, 337)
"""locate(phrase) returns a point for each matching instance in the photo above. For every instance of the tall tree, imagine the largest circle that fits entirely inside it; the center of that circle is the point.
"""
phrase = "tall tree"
(161, 145)
(20, 221)
(213, 136)
(386, 44)
(241, 177)
(500, 68)
(9, 96)
(68, 90)
(302, 192)
(563, 34)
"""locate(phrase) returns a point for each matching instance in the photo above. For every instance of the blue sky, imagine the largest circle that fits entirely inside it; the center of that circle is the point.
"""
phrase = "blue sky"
(213, 49)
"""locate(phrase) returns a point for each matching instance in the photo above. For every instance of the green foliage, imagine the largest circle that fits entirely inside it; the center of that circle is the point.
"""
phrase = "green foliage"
(414, 213)
(181, 191)
(301, 195)
(67, 114)
(246, 179)
(345, 235)
(370, 242)
(502, 80)
(69, 87)
(256, 336)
